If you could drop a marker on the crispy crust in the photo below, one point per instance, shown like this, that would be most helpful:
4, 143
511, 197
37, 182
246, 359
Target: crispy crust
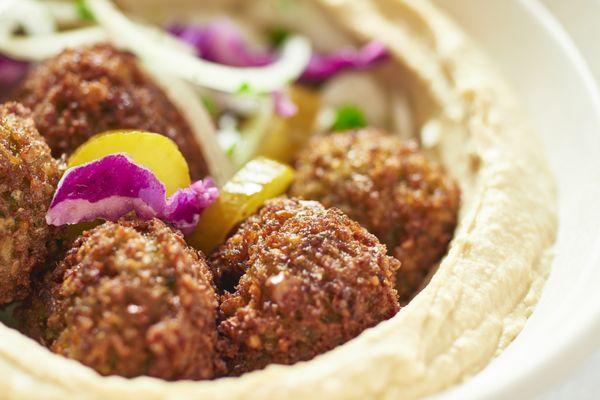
28, 177
311, 280
85, 91
129, 299
389, 187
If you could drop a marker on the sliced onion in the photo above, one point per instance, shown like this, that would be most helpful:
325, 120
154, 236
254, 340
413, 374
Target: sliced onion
254, 132
115, 185
38, 21
223, 42
38, 48
290, 65
63, 12
188, 103
322, 67
157, 35
32, 16
184, 208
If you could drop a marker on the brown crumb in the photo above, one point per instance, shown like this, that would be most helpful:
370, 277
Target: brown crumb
303, 280
389, 187
89, 90
28, 178
130, 299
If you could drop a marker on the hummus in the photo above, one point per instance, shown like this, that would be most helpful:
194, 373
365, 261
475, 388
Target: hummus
485, 288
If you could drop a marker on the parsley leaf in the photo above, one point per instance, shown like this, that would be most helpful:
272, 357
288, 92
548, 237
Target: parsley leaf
348, 117
231, 149
210, 105
84, 12
278, 36
244, 88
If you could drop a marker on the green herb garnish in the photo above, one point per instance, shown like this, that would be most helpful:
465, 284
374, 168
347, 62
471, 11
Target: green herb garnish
231, 150
210, 105
278, 36
348, 117
244, 88
84, 12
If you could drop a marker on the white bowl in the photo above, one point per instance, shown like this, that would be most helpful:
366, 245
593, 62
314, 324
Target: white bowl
532, 50
580, 18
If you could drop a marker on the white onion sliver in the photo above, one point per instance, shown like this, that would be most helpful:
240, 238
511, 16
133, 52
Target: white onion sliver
43, 42
63, 12
37, 48
254, 132
31, 15
190, 107
161, 37
292, 62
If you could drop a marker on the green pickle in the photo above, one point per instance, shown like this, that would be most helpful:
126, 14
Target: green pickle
288, 135
258, 181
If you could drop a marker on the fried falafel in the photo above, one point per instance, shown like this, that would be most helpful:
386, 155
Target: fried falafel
309, 279
28, 178
130, 299
389, 187
89, 90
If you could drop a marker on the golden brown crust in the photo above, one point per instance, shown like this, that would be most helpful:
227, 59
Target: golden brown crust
312, 280
89, 90
28, 177
390, 188
129, 299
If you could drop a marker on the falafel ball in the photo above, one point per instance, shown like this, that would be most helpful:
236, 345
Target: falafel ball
389, 187
130, 299
89, 90
28, 178
311, 279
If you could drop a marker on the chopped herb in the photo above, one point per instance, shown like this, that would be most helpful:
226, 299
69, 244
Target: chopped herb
210, 105
84, 12
231, 149
348, 117
278, 36
244, 88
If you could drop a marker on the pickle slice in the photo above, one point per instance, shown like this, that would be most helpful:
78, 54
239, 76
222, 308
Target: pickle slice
288, 135
258, 181
156, 152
